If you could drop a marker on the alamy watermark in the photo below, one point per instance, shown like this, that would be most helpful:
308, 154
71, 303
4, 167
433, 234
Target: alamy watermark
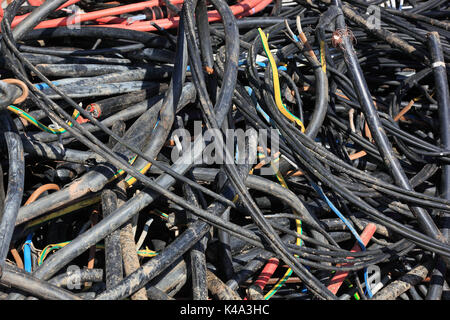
207, 147
374, 20
74, 19
74, 277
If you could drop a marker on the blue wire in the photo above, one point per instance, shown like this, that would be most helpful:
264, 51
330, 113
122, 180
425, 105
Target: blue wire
366, 280
262, 64
27, 253
43, 86
258, 107
318, 189
349, 226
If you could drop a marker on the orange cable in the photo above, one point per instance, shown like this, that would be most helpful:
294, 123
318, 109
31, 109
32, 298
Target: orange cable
17, 258
404, 111
41, 190
357, 155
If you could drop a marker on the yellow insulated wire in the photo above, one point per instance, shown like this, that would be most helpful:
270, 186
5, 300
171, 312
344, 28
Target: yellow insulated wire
298, 242
276, 83
146, 253
50, 248
24, 115
284, 184
71, 208
132, 180
278, 285
21, 113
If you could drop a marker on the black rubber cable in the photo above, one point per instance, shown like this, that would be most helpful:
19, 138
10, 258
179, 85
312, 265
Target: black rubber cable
16, 179
425, 221
443, 97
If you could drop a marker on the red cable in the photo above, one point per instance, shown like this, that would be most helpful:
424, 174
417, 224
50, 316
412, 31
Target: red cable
111, 20
107, 19
19, 19
35, 3
266, 273
340, 276
59, 22
242, 9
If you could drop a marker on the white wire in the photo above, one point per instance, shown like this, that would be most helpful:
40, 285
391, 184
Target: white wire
144, 234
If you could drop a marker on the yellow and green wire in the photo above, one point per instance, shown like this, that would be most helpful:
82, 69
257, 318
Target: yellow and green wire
66, 210
78, 205
276, 83
279, 284
298, 223
163, 215
146, 253
350, 285
50, 248
23, 114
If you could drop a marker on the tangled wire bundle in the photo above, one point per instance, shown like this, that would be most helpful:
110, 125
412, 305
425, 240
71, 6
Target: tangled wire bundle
228, 150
